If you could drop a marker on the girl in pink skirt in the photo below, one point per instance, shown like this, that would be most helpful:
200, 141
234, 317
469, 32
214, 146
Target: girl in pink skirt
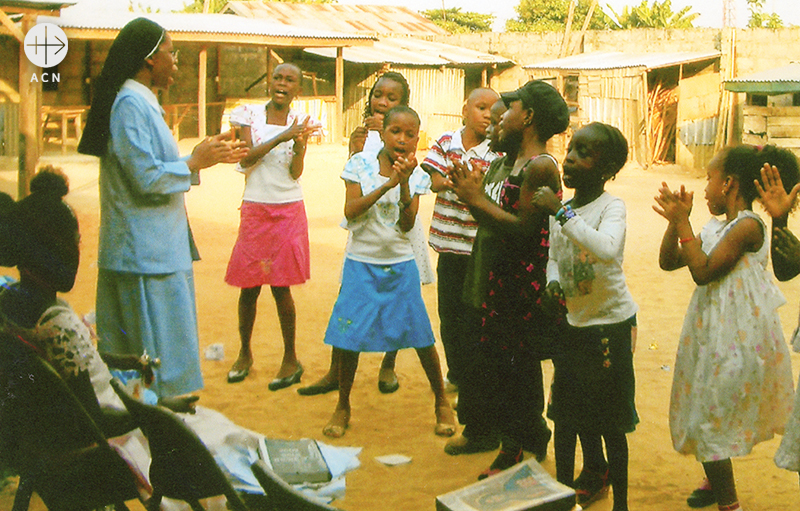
272, 247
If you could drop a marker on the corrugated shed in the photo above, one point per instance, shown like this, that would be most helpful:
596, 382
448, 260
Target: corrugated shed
779, 80
412, 52
196, 23
618, 60
363, 19
34, 4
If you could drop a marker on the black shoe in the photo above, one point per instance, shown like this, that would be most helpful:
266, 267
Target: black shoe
503, 461
237, 375
318, 388
538, 445
590, 486
282, 383
387, 387
701, 497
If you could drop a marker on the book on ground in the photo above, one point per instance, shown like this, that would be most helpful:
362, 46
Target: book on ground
296, 461
524, 487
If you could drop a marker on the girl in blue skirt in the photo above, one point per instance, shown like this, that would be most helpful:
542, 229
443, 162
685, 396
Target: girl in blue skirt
380, 307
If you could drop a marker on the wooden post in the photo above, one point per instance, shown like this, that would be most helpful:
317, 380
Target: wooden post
648, 124
338, 126
202, 72
29, 123
565, 41
574, 47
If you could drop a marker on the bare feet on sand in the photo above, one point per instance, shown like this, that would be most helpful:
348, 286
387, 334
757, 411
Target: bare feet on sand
321, 386
338, 423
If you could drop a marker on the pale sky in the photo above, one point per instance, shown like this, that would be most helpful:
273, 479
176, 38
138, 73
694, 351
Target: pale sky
710, 10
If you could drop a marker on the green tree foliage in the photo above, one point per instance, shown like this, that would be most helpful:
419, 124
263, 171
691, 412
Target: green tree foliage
760, 19
455, 21
218, 5
551, 15
197, 6
655, 15
135, 6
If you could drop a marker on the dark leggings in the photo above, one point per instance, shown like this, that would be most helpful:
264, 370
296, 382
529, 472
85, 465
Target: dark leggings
594, 460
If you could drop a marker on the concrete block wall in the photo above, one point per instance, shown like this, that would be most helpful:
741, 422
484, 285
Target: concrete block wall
755, 48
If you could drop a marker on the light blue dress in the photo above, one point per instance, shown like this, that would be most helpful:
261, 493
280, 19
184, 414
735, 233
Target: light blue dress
145, 288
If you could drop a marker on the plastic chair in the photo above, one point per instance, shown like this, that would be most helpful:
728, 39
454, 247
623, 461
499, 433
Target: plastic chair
280, 494
48, 437
182, 467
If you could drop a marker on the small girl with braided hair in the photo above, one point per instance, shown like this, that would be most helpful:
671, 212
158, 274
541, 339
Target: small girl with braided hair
732, 386
593, 382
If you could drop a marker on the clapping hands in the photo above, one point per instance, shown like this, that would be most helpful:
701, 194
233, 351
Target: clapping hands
772, 194
466, 181
546, 199
402, 168
673, 205
222, 148
786, 244
299, 132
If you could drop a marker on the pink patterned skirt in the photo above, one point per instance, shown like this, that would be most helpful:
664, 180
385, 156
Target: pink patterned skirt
272, 247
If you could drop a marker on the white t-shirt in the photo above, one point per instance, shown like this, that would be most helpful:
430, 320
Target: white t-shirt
586, 258
373, 142
375, 236
269, 180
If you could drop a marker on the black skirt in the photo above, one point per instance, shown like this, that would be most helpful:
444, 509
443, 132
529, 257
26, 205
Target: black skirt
594, 386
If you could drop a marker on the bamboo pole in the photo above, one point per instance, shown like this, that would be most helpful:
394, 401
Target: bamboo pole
574, 47
30, 92
570, 16
202, 75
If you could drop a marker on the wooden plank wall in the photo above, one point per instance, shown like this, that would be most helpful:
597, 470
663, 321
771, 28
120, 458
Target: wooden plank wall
779, 126
698, 101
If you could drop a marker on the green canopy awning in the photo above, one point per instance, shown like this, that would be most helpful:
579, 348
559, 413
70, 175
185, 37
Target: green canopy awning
780, 80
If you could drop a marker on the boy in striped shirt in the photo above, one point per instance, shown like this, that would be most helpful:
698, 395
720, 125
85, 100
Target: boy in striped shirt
452, 226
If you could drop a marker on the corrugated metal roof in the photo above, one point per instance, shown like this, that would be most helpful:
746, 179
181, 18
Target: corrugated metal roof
616, 60
362, 19
195, 23
35, 4
412, 52
779, 80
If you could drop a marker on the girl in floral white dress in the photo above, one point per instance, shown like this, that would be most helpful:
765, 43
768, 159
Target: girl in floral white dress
732, 386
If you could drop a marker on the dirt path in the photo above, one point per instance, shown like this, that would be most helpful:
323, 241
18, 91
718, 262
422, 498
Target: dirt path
660, 479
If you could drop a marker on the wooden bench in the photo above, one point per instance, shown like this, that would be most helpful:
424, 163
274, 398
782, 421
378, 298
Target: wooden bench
56, 123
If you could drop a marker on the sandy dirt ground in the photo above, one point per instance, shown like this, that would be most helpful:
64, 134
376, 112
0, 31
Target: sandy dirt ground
403, 422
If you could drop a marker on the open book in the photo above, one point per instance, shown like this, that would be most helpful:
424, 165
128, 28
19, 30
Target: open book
524, 487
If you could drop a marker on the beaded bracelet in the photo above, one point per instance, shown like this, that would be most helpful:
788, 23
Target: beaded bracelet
564, 214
